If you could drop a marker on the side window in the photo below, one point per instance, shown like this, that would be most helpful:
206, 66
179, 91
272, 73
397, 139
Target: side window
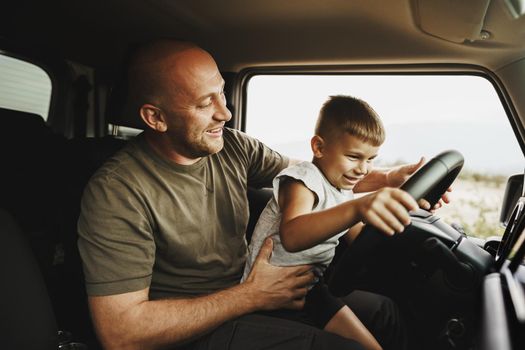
123, 132
24, 86
423, 115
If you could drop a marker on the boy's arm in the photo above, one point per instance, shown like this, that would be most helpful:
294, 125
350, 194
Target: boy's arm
393, 177
353, 232
296, 202
301, 228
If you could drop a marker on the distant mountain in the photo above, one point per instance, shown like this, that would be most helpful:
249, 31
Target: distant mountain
487, 148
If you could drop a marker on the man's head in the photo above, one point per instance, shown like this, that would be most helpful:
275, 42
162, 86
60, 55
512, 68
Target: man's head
347, 137
177, 90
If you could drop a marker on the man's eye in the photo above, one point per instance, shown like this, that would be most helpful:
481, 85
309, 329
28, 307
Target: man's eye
208, 104
353, 158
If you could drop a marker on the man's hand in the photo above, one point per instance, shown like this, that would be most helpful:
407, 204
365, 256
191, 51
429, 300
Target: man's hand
387, 209
277, 287
396, 176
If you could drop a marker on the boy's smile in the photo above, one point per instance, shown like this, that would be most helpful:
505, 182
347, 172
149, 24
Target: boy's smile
344, 160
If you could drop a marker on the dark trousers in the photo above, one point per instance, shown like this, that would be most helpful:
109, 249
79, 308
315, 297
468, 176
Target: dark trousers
290, 330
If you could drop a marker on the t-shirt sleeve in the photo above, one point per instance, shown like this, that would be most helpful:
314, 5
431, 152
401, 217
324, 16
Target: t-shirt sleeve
115, 238
263, 163
304, 172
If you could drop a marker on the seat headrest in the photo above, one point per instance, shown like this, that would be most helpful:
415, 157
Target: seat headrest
21, 121
118, 112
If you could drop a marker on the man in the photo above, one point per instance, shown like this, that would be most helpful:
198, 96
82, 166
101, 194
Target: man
161, 231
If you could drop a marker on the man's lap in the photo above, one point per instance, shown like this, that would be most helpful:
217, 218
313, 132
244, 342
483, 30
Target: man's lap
286, 329
256, 331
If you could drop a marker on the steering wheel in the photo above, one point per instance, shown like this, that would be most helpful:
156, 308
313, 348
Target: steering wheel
429, 182
435, 177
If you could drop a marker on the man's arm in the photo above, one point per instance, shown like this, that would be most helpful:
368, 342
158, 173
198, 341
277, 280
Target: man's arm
131, 321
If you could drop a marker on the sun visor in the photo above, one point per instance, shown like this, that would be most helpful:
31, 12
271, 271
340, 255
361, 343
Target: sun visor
451, 20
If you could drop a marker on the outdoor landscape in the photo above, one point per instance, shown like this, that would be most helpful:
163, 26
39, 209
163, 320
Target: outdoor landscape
476, 204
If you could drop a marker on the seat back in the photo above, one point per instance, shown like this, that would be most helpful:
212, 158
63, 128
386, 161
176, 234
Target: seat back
32, 162
27, 320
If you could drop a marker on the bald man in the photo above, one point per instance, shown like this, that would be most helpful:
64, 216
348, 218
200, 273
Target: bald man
162, 224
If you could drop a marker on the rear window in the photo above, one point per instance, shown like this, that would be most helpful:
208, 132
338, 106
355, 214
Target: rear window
24, 86
423, 116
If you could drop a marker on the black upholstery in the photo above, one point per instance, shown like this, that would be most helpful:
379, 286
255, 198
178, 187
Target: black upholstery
31, 190
41, 184
32, 161
118, 111
257, 200
27, 320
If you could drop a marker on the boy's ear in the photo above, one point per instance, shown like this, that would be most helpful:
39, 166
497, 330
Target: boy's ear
317, 144
153, 117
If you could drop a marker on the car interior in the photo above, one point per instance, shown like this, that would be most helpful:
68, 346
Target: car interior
459, 292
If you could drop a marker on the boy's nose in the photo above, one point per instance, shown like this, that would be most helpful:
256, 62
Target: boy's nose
362, 168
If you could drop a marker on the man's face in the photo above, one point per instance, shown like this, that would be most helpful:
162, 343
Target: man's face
346, 160
194, 105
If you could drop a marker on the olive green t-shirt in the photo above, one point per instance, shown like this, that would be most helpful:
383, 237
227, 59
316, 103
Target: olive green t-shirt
179, 229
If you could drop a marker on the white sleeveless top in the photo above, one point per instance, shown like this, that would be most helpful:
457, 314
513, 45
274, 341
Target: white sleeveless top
268, 225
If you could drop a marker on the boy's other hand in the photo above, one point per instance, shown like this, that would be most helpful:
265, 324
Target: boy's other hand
445, 199
398, 175
387, 209
277, 287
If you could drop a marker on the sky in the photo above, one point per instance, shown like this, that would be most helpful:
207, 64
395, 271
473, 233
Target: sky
423, 115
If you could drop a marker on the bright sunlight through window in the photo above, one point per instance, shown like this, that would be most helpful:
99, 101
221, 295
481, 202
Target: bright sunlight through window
423, 115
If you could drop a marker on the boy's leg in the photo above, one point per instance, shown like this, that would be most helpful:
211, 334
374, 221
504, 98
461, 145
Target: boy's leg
346, 324
333, 315
320, 305
255, 332
381, 316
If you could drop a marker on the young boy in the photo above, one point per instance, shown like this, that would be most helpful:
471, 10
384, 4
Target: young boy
313, 206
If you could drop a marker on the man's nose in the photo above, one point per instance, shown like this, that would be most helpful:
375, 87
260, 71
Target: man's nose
222, 113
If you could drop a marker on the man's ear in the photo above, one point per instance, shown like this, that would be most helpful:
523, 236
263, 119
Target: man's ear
317, 144
153, 117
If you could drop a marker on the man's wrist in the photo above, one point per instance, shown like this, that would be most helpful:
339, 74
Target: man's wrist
248, 297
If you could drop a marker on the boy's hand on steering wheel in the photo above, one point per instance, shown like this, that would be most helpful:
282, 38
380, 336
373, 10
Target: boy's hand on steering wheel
445, 199
387, 209
396, 176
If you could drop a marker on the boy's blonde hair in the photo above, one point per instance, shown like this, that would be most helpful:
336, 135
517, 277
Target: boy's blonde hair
352, 115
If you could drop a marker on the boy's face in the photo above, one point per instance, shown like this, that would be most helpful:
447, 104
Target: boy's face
344, 160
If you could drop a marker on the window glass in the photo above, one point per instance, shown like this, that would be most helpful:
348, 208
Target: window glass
423, 116
24, 86
123, 131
